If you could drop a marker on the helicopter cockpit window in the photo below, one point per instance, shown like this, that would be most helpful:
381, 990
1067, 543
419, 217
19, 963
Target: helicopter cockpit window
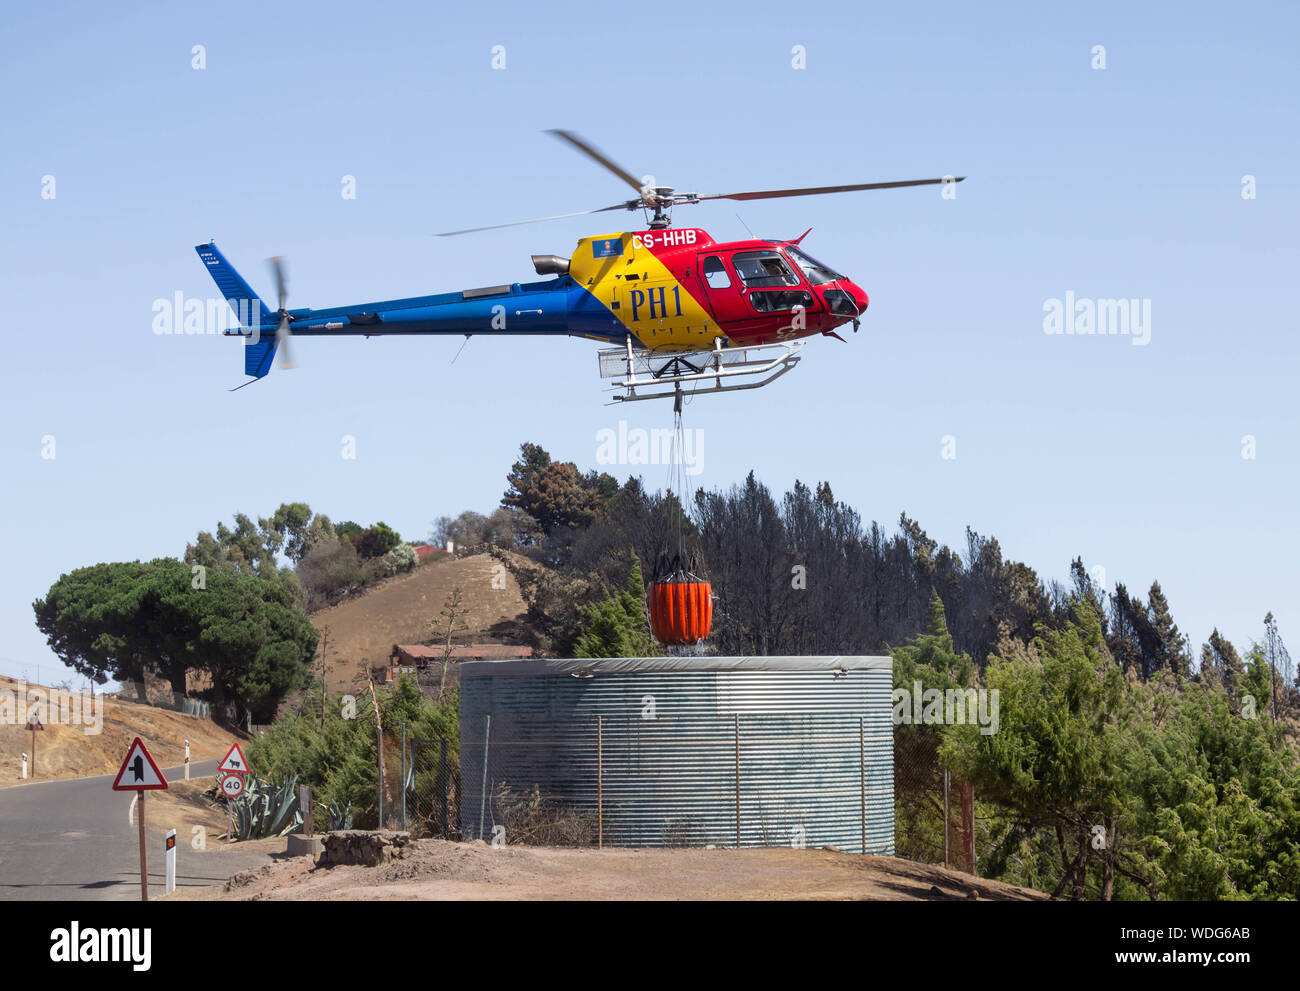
816, 272
715, 273
763, 269
781, 300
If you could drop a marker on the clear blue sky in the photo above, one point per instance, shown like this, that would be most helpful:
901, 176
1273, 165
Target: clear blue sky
1122, 182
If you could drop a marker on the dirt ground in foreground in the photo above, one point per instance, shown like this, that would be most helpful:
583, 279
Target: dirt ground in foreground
69, 751
437, 869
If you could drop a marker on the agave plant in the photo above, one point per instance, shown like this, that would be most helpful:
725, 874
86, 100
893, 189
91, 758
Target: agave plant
265, 809
340, 815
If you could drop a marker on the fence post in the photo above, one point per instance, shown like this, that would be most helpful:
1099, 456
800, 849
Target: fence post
600, 781
968, 827
403, 786
482, 794
379, 753
947, 829
443, 775
862, 784
737, 780
304, 803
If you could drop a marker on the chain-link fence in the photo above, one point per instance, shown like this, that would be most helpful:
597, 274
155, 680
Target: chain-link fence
740, 780
419, 788
431, 791
934, 814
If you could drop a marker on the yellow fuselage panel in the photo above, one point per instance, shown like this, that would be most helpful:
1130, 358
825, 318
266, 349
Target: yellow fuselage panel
643, 293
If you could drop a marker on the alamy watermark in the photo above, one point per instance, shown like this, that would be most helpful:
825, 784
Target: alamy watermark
204, 315
659, 446
1098, 317
52, 706
922, 706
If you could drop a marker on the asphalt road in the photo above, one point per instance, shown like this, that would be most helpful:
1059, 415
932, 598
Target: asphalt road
70, 840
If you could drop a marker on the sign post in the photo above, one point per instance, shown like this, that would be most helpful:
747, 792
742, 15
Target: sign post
139, 774
170, 884
34, 724
234, 766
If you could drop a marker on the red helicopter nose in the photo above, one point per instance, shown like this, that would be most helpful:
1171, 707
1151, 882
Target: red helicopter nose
859, 295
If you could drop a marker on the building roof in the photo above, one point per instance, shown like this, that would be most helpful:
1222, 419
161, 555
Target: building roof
463, 652
834, 665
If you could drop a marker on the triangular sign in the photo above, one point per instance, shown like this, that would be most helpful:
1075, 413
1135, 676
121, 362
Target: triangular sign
139, 772
233, 762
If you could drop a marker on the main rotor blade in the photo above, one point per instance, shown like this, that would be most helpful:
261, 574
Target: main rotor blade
597, 156
629, 205
816, 190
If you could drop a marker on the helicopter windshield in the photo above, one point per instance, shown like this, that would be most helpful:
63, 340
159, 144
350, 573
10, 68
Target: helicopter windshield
815, 272
763, 269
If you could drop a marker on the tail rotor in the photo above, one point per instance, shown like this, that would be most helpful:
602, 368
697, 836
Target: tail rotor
282, 332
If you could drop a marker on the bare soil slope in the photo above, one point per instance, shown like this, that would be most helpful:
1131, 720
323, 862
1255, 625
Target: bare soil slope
437, 869
360, 632
64, 751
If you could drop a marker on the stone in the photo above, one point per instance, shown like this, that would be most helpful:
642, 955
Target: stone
363, 847
303, 846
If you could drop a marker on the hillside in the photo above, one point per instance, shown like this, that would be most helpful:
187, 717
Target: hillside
70, 751
359, 634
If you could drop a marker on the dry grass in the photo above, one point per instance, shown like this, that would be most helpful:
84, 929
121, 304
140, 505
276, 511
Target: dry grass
360, 632
66, 751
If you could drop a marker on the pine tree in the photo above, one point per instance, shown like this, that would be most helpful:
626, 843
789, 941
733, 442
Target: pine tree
1171, 646
1280, 666
937, 626
1223, 660
617, 627
1085, 591
931, 658
1123, 641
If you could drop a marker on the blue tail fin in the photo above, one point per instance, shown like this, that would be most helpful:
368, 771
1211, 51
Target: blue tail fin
252, 313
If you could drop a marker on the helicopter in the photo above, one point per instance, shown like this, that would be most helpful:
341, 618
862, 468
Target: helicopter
675, 308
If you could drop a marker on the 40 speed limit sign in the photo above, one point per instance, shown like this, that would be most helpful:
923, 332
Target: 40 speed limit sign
232, 785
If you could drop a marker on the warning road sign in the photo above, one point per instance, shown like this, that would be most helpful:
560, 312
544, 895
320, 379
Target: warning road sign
233, 762
138, 771
232, 785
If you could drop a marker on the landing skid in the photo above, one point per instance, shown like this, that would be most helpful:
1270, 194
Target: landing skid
641, 374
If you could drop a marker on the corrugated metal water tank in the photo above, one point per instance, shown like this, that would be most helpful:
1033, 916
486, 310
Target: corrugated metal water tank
685, 751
